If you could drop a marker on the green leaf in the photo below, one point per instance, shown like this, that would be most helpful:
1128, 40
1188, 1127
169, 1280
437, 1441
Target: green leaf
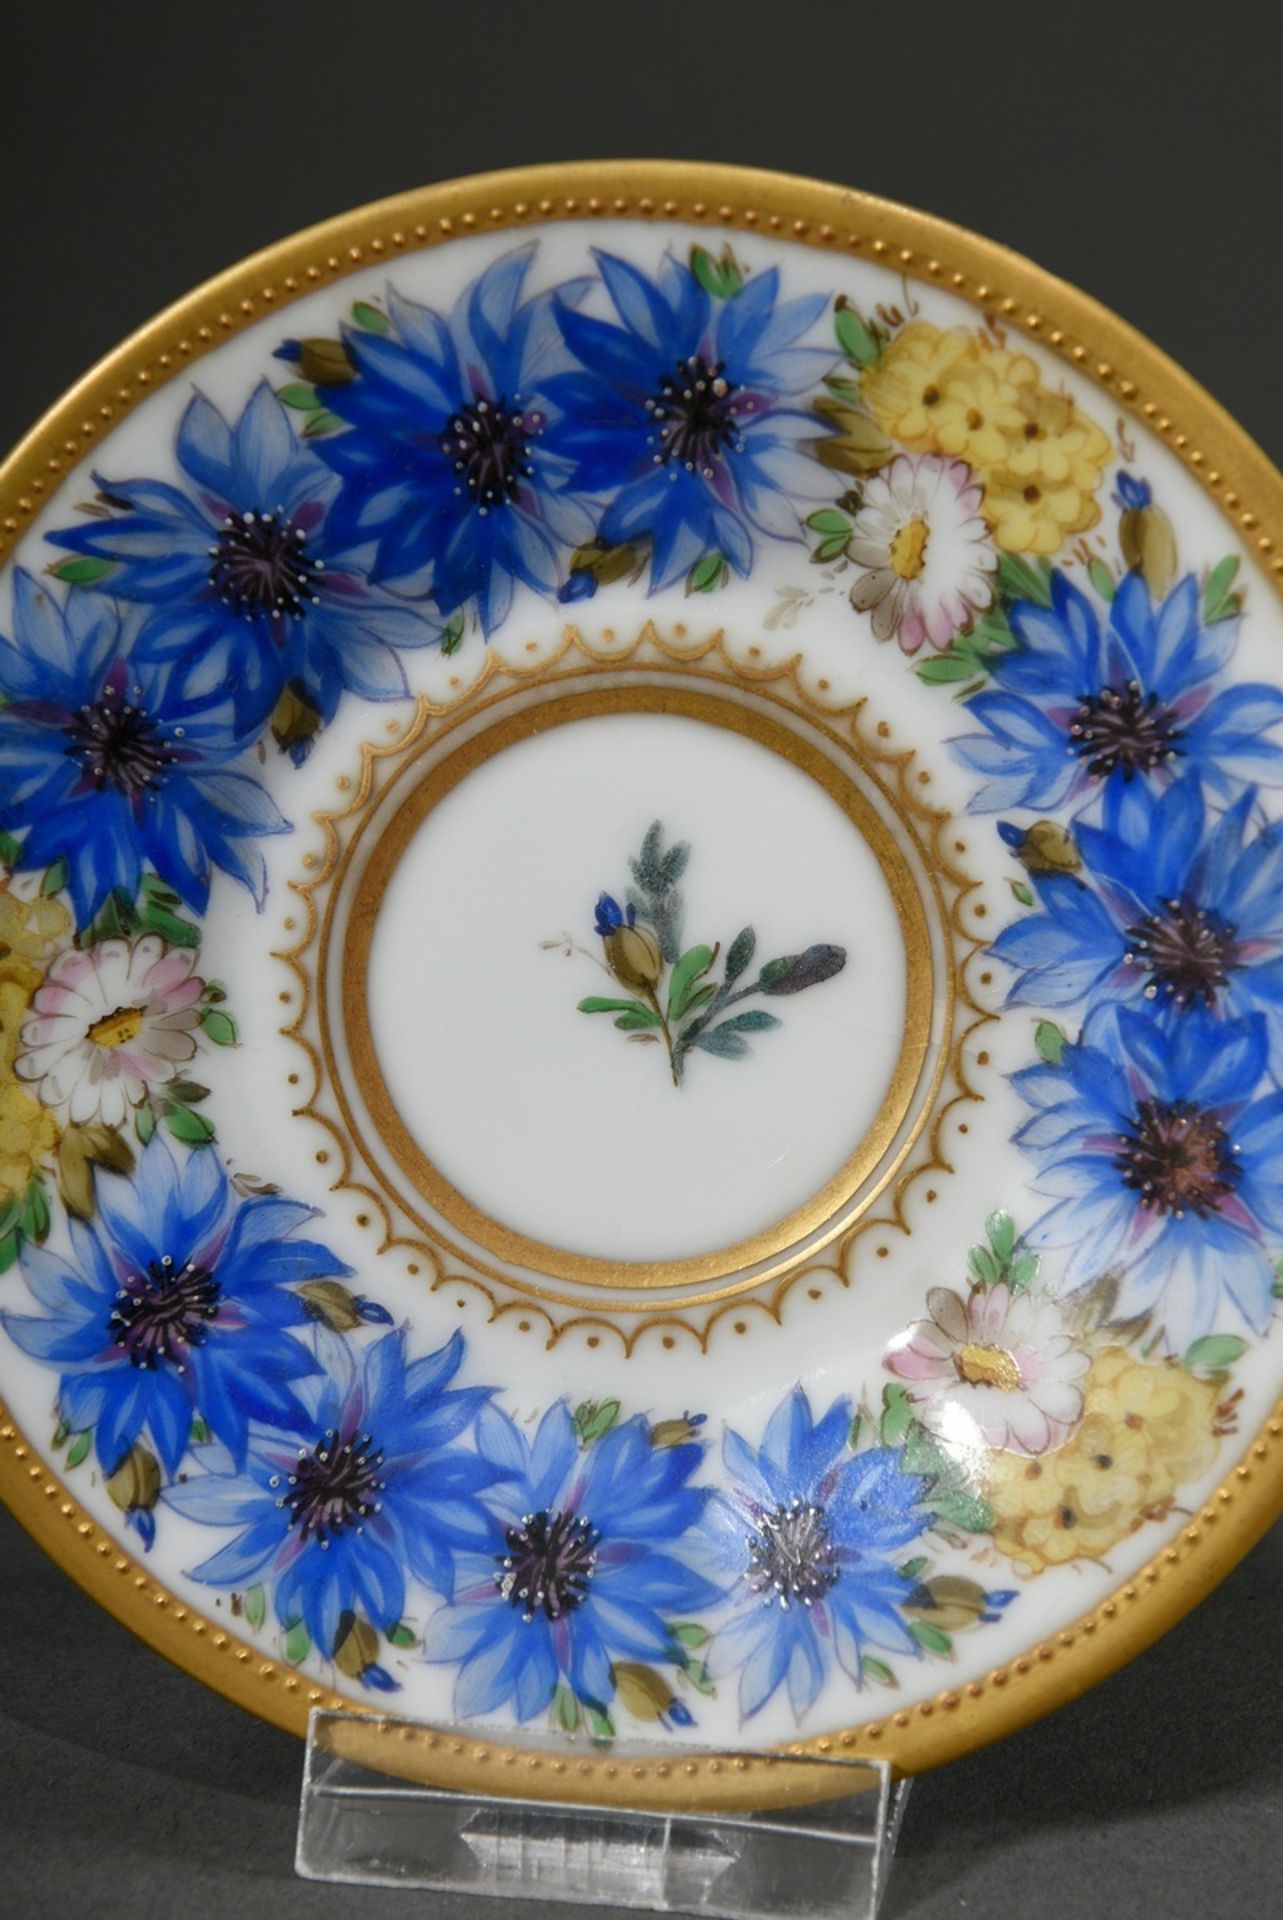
982, 1267
721, 279
930, 1638
299, 394
82, 572
1219, 603
754, 1021
565, 1708
596, 1003
297, 1643
79, 1448
725, 1046
402, 1636
199, 1434
144, 1123
965, 1511
1101, 578
877, 1670
370, 318
1023, 1272
708, 574
637, 1022
600, 1725
857, 341
690, 1634
9, 850
192, 1128
739, 953
452, 634
700, 1677
255, 1607
157, 905
33, 1219
56, 878
1023, 892
794, 972
10, 1246
829, 521
319, 422
913, 1569
857, 1428
830, 548
1022, 579
1214, 1353
1050, 1042
60, 1433
942, 669
897, 1415
693, 963
219, 1027
1000, 1231
592, 1419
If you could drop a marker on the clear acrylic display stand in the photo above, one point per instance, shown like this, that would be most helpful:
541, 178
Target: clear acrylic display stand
826, 1856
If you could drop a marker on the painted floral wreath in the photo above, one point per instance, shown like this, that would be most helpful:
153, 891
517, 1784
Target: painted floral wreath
215, 1359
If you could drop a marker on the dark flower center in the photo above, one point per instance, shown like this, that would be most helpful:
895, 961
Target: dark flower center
1178, 1158
791, 1556
334, 1485
1124, 727
549, 1565
1188, 952
488, 445
260, 565
160, 1314
118, 745
695, 415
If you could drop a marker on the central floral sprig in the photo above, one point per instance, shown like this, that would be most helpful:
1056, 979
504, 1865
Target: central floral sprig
676, 1001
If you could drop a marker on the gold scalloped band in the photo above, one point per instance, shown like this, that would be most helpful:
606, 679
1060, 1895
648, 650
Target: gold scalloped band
1237, 477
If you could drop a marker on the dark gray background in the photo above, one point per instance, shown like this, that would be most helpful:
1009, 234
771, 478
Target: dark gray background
143, 148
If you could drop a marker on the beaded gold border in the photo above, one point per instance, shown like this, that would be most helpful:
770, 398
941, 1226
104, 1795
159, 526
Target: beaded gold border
1235, 474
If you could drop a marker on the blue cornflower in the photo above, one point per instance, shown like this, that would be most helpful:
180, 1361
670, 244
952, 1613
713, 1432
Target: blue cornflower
1133, 493
110, 760
810, 1533
175, 1303
449, 476
1079, 705
691, 415
610, 916
1164, 1159
586, 1564
242, 570
1178, 907
374, 1486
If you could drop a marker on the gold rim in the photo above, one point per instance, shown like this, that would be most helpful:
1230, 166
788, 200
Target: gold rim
1141, 381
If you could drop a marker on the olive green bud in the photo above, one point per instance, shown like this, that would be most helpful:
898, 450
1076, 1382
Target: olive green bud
1046, 847
1148, 546
325, 362
332, 1304
358, 1648
673, 1433
135, 1485
645, 1694
948, 1601
633, 956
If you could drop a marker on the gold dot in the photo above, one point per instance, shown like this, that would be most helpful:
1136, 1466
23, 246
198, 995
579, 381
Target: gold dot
321, 1156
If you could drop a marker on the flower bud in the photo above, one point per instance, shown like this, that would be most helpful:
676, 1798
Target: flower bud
332, 1304
633, 956
645, 1694
1045, 847
358, 1647
1146, 537
948, 1601
325, 362
676, 1433
135, 1485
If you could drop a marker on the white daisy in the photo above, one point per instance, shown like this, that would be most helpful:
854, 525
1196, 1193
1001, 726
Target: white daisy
999, 1369
107, 1024
927, 549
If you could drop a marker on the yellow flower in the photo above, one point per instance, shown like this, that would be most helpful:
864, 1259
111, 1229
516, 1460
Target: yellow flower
1044, 490
29, 931
982, 410
906, 386
1147, 1429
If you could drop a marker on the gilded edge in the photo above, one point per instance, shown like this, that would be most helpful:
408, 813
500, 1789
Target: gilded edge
932, 830
1236, 475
